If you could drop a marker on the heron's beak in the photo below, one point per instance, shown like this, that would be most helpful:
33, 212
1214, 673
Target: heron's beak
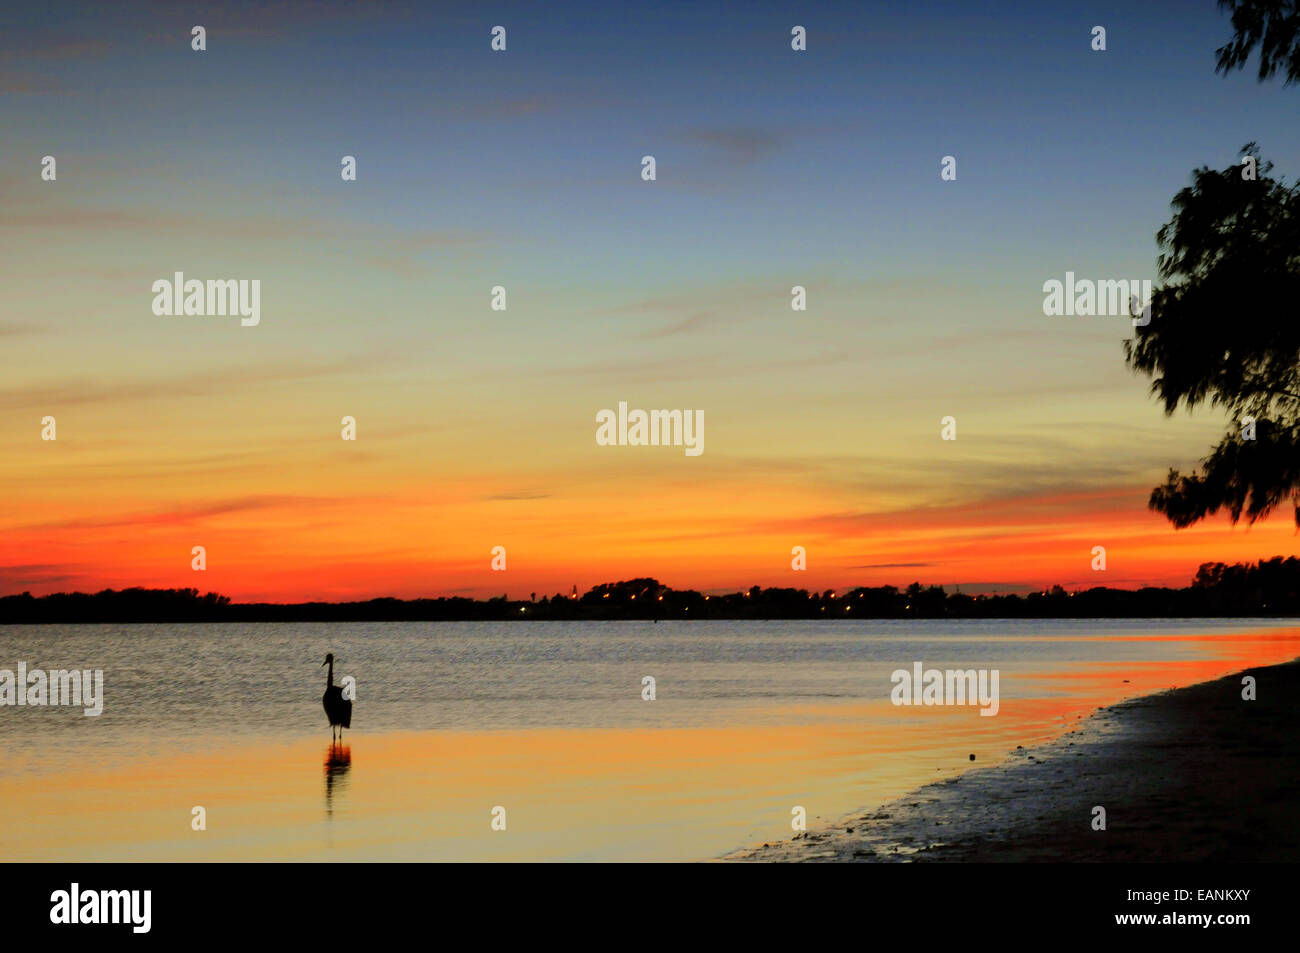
324, 663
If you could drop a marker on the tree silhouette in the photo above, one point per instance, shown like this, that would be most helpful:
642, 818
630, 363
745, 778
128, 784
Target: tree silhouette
1223, 332
1269, 587
1273, 26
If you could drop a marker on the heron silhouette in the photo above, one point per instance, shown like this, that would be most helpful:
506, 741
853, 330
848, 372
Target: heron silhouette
337, 708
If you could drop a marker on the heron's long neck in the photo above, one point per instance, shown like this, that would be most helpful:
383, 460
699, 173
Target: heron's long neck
331, 675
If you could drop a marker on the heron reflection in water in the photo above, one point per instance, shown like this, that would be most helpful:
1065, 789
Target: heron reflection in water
338, 761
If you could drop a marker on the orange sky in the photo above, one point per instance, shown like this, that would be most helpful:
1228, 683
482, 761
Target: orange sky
437, 538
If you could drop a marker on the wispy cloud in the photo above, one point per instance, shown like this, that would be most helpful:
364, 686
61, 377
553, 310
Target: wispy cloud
183, 515
22, 576
690, 323
737, 144
51, 46
80, 391
892, 565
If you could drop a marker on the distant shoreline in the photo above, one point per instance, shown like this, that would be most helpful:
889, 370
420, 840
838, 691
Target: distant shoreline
347, 620
1266, 589
1194, 774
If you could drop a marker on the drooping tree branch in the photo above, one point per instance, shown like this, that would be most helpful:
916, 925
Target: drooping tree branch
1224, 332
1271, 25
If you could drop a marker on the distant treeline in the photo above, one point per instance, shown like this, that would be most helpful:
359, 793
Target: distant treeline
1270, 587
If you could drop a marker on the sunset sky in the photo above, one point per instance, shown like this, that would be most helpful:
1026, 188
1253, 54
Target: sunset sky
476, 428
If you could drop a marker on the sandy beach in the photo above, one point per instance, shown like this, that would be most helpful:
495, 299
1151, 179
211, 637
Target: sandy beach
1195, 774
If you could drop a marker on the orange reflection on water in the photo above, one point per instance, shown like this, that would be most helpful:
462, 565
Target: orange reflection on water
620, 794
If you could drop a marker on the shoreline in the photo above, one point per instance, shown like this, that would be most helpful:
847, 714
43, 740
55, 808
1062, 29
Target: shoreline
1193, 774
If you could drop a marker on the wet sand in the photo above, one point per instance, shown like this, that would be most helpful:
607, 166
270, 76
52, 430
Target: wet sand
1195, 774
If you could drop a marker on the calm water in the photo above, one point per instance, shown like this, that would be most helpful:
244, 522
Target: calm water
544, 719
